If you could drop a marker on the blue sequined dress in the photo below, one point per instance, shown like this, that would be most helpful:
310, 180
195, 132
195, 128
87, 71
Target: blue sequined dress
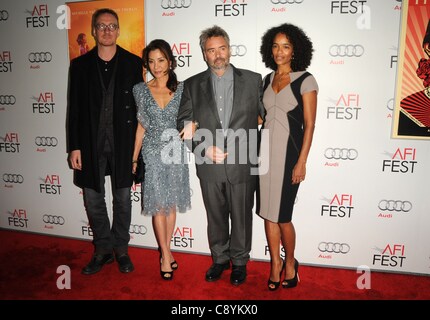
166, 183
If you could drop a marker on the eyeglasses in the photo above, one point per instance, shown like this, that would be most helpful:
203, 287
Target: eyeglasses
103, 27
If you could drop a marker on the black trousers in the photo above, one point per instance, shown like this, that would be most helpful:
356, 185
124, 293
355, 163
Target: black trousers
109, 236
225, 202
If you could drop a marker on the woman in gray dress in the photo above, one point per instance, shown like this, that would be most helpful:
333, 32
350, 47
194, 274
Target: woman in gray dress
290, 100
166, 187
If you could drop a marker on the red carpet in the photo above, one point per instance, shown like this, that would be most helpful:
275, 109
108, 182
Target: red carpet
29, 262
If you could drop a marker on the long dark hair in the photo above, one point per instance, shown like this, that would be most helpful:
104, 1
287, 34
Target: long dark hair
164, 47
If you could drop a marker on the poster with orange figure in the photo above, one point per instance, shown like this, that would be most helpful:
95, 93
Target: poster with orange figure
131, 22
411, 118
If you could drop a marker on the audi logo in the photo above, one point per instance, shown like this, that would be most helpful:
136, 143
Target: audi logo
341, 153
334, 247
137, 229
175, 4
395, 205
7, 99
13, 178
46, 141
39, 57
4, 15
390, 104
47, 218
285, 1
346, 50
238, 50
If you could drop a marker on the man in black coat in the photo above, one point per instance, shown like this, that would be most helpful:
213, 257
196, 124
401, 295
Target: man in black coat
101, 131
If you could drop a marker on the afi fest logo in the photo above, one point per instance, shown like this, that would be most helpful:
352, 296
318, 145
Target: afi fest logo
5, 61
183, 237
18, 218
230, 8
348, 7
182, 53
44, 103
10, 143
51, 184
340, 206
347, 107
402, 161
136, 192
391, 256
39, 17
86, 229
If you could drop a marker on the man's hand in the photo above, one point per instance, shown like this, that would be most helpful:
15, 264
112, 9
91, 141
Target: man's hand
188, 132
216, 154
75, 159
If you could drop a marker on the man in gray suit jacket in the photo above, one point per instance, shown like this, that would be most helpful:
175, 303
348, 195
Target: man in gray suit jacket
224, 104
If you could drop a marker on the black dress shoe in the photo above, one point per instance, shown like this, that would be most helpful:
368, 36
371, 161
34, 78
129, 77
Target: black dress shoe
216, 270
97, 262
238, 275
124, 263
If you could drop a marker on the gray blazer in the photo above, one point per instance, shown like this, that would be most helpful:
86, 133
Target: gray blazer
240, 141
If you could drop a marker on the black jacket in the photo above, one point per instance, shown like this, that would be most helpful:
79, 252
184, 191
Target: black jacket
84, 103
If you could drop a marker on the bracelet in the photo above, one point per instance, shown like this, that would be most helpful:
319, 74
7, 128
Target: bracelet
134, 161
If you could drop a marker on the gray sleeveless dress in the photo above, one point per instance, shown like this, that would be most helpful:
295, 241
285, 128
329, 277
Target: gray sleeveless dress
166, 183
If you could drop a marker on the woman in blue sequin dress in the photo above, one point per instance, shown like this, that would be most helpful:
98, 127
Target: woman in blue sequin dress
166, 188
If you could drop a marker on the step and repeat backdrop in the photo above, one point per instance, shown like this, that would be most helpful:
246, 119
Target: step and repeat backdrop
365, 201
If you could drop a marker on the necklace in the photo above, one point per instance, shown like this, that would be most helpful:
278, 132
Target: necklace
283, 73
280, 80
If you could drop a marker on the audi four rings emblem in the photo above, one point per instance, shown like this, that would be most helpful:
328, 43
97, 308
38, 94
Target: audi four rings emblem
395, 205
390, 104
7, 99
4, 15
341, 153
13, 178
175, 4
46, 141
333, 247
285, 1
47, 218
39, 57
238, 50
346, 50
138, 229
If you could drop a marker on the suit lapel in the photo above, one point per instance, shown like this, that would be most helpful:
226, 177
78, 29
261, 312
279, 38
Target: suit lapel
237, 95
207, 90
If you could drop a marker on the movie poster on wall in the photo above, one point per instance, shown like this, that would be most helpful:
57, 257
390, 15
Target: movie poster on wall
412, 102
131, 21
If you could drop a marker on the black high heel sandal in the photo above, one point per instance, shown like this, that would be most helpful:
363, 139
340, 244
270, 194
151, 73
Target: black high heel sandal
273, 285
166, 275
174, 265
291, 283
